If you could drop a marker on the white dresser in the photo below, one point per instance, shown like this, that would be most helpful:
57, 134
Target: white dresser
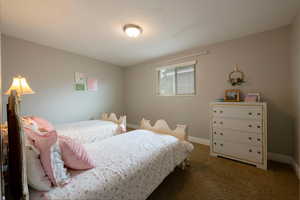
239, 132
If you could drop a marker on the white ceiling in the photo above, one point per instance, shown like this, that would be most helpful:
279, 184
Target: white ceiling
94, 27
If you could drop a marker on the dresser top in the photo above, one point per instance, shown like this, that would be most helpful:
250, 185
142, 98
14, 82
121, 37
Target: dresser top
238, 103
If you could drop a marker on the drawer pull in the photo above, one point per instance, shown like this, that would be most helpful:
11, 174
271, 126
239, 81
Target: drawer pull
215, 122
221, 122
221, 145
221, 133
250, 113
258, 126
258, 152
249, 125
258, 114
250, 150
258, 139
215, 111
215, 143
221, 111
250, 138
215, 132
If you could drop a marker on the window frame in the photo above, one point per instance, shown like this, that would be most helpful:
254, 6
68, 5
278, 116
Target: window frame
175, 67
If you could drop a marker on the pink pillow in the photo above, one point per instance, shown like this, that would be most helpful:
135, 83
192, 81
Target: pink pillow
50, 156
74, 154
43, 124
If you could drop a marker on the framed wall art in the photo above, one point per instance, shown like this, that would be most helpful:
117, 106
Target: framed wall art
232, 95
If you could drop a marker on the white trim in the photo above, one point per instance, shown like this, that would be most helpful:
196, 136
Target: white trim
175, 82
280, 158
193, 62
199, 140
296, 168
135, 126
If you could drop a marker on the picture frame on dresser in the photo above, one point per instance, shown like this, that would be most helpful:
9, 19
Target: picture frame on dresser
253, 97
238, 130
232, 95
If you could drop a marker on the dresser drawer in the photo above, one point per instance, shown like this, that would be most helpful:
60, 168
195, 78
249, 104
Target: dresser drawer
238, 124
253, 139
241, 112
239, 151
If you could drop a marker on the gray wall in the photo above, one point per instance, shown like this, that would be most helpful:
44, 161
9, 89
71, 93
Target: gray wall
295, 55
50, 73
263, 57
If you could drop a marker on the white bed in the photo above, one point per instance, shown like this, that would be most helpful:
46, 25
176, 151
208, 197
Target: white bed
93, 130
129, 167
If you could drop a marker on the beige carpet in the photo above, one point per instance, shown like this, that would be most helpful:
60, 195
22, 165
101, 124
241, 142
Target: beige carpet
211, 178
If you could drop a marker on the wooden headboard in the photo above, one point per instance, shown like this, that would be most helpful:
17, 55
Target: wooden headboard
161, 126
17, 178
113, 117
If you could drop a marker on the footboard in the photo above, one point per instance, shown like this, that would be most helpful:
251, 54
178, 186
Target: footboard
162, 127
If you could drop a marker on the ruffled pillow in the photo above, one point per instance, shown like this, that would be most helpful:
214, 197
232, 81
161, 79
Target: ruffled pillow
27, 122
50, 156
36, 177
74, 154
44, 125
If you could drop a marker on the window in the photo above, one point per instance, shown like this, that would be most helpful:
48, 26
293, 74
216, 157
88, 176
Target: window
176, 80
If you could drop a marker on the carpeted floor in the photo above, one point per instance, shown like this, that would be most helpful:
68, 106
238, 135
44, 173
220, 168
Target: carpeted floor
211, 178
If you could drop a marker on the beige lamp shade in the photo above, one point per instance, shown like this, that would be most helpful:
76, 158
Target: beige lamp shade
20, 85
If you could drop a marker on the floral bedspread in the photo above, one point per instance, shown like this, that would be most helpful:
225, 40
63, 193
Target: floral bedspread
129, 167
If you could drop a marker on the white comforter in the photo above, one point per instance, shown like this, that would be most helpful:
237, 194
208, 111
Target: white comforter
129, 167
88, 131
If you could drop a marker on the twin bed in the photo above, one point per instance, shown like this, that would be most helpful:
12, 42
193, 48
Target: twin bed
129, 166
93, 130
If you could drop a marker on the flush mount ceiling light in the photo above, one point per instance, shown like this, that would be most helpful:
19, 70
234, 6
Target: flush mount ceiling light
132, 30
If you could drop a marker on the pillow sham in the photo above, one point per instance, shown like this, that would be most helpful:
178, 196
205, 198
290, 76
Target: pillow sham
74, 155
36, 177
27, 122
44, 125
50, 156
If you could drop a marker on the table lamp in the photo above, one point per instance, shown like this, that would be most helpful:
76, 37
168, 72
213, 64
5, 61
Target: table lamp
20, 85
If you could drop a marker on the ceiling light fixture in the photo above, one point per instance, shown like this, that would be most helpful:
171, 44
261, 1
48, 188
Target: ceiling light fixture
132, 30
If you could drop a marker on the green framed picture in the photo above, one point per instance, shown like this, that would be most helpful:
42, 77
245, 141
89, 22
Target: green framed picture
80, 87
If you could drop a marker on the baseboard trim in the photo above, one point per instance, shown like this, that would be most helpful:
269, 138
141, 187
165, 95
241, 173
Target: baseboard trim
280, 158
285, 159
199, 140
296, 169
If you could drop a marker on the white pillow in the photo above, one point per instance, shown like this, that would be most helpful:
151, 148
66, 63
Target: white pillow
36, 177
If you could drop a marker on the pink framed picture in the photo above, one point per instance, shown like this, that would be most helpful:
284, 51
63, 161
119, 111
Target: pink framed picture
92, 84
252, 97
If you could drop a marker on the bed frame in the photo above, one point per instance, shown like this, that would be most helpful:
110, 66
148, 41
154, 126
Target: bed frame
162, 127
16, 138
17, 178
